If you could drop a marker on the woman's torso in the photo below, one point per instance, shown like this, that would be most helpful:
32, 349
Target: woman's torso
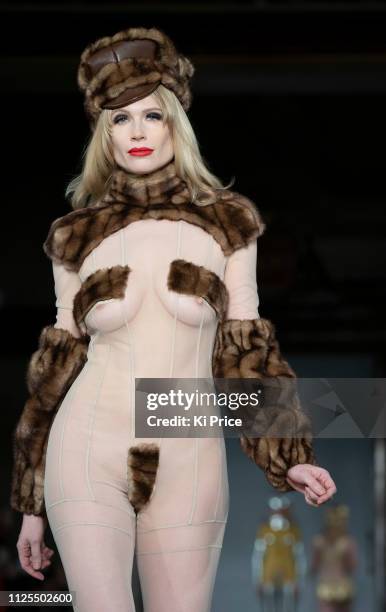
171, 333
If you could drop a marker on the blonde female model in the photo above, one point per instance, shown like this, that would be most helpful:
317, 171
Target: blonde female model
155, 277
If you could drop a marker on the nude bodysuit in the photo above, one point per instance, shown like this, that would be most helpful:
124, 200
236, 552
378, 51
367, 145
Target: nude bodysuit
151, 332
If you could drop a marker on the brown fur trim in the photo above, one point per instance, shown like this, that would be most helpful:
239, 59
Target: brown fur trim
188, 278
54, 363
274, 454
142, 466
249, 349
51, 371
233, 221
159, 187
104, 284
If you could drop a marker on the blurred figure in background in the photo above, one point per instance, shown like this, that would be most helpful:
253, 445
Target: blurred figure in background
278, 559
334, 561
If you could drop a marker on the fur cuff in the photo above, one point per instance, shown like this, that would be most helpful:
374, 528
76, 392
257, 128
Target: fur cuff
51, 371
249, 349
276, 455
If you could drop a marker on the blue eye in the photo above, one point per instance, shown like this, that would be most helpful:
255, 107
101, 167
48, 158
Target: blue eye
156, 115
153, 115
118, 117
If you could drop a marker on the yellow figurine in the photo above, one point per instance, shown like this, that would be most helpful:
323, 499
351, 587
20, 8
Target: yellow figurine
278, 559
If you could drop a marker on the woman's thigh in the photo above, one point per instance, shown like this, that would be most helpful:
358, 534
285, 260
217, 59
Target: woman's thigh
96, 543
180, 530
178, 581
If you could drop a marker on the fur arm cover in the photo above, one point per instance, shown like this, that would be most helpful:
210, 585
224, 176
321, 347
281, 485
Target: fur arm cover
246, 347
51, 370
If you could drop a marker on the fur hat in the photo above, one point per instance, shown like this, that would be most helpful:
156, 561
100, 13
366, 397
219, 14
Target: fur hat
117, 70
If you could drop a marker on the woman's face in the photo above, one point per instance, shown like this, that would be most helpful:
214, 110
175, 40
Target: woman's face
140, 125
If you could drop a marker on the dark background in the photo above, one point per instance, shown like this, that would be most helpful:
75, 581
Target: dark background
288, 97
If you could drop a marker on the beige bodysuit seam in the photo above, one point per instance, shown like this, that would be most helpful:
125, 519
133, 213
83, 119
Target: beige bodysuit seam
65, 419
197, 440
124, 262
92, 501
108, 484
86, 524
208, 257
176, 550
178, 254
220, 478
91, 424
174, 525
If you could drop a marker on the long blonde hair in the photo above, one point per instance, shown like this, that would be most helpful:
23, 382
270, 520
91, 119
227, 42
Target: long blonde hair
98, 161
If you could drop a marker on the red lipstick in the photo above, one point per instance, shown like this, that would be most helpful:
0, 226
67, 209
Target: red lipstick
140, 151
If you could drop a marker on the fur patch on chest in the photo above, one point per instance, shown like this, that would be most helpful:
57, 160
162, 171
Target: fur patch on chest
104, 284
187, 278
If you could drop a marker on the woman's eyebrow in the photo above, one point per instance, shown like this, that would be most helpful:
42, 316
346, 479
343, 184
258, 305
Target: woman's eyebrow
145, 110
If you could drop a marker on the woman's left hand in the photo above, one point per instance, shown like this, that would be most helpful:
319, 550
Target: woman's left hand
314, 481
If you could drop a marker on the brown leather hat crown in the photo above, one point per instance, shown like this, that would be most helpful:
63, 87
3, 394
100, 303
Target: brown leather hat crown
117, 70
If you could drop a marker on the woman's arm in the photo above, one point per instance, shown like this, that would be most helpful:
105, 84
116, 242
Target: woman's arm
246, 347
52, 368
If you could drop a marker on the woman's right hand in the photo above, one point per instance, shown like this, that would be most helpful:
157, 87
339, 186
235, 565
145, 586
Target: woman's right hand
34, 555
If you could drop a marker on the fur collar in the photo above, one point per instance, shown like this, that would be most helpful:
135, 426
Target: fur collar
158, 187
232, 219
